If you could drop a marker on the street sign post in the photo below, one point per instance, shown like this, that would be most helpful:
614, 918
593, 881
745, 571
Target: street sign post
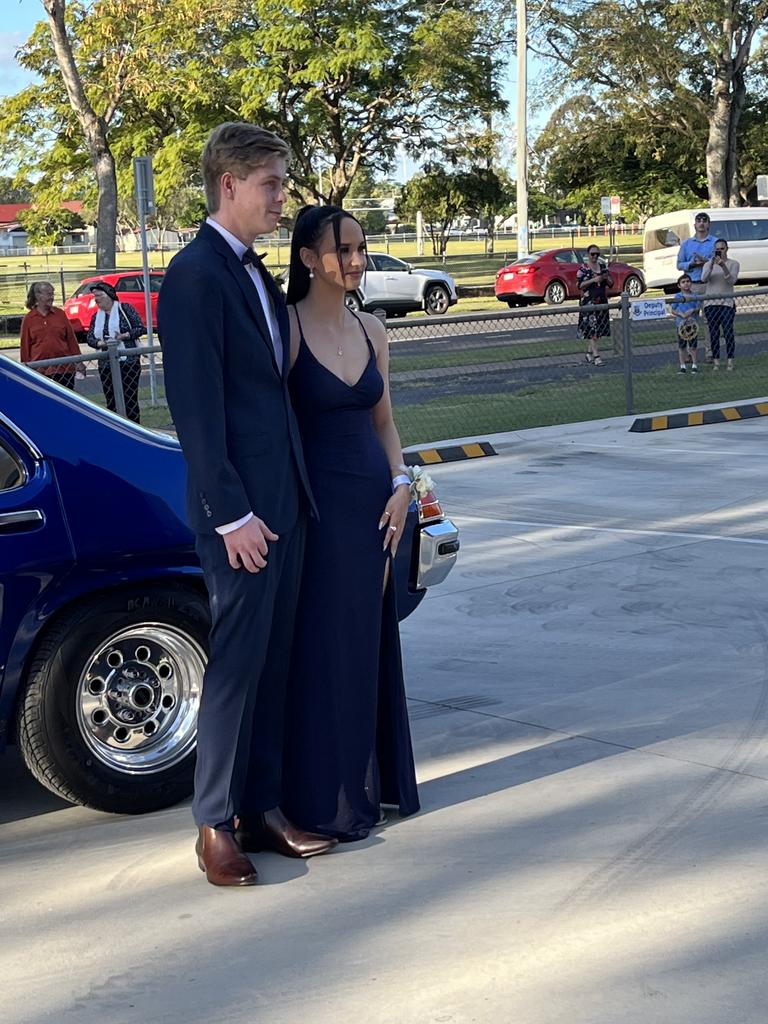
145, 203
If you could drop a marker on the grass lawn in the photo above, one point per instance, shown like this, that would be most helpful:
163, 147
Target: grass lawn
571, 401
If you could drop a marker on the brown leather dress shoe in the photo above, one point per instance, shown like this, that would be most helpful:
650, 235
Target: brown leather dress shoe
271, 830
220, 856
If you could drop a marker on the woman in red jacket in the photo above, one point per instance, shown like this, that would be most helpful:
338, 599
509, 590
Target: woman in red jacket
46, 334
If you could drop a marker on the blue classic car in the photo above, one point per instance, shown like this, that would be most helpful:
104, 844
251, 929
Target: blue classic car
103, 610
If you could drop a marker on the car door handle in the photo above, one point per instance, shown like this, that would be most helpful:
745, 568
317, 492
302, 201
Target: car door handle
10, 521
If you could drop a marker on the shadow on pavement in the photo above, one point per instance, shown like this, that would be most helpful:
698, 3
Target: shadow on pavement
21, 796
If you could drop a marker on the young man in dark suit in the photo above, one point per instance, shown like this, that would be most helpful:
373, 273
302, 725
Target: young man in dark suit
225, 336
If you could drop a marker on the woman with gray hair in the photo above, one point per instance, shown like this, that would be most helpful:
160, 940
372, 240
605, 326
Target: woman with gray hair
113, 321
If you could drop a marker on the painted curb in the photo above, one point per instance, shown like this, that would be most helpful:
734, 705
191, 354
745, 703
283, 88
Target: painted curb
700, 417
450, 453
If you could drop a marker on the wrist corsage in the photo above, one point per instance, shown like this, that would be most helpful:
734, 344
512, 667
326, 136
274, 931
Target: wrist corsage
422, 483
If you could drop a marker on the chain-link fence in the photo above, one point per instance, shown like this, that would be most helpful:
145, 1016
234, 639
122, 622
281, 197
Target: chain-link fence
464, 376
127, 381
469, 376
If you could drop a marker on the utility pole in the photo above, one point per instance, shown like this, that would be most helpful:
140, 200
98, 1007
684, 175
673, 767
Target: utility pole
522, 130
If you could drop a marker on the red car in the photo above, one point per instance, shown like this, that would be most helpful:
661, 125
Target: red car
551, 277
129, 285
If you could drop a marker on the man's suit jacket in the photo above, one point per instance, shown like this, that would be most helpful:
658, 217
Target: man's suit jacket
228, 399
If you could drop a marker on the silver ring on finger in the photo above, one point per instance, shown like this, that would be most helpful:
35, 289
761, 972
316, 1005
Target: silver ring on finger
393, 529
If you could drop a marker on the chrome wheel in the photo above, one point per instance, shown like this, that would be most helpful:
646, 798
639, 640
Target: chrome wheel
437, 300
138, 698
352, 302
633, 286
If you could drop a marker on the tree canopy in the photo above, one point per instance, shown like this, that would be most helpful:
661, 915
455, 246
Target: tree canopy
344, 85
689, 66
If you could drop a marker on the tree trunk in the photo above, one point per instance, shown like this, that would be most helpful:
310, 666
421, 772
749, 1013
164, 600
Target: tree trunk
718, 143
735, 197
95, 132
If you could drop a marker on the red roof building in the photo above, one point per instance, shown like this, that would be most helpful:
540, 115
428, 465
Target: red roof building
9, 212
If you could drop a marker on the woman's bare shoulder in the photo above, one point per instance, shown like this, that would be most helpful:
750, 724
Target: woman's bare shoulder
374, 328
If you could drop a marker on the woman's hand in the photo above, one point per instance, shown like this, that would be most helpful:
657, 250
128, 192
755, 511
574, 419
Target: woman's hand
393, 518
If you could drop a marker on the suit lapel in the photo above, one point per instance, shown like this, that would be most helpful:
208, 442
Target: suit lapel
245, 284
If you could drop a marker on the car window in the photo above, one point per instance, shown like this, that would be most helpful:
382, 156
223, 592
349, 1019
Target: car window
155, 281
741, 230
566, 257
11, 472
84, 289
523, 260
664, 238
130, 284
388, 263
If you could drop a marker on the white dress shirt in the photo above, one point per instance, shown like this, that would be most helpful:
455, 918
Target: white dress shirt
239, 248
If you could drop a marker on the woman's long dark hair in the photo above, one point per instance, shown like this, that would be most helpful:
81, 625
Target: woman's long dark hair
311, 222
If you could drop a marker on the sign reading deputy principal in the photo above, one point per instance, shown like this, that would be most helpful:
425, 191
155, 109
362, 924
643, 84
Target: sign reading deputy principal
649, 309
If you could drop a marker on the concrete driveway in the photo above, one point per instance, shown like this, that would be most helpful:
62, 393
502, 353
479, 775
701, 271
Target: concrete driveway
589, 695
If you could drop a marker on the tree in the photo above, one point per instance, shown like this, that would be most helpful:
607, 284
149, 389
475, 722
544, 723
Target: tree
47, 226
442, 195
583, 154
94, 129
679, 63
11, 192
345, 85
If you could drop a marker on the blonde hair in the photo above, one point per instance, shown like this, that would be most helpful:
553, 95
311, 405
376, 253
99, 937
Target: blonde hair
237, 147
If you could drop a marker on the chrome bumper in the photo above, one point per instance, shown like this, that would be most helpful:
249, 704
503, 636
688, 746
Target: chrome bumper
438, 547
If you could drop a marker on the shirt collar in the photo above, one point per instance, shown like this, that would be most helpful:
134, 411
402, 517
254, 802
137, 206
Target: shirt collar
234, 243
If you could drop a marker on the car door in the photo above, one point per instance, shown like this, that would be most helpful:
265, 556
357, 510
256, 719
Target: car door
568, 263
130, 291
399, 284
35, 547
373, 286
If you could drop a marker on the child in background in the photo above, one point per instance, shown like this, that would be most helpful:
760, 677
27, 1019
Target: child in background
685, 307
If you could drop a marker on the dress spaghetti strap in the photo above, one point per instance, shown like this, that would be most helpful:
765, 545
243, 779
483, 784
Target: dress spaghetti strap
371, 349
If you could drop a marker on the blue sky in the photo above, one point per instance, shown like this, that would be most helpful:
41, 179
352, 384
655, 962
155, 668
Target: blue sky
19, 18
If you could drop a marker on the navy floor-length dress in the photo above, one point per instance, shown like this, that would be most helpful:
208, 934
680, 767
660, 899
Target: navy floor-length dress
348, 745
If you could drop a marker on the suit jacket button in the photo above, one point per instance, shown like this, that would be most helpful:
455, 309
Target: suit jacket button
209, 513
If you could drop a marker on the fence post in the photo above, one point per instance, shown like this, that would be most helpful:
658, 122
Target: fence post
63, 286
116, 375
626, 339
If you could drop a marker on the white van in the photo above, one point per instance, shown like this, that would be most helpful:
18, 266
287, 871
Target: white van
745, 228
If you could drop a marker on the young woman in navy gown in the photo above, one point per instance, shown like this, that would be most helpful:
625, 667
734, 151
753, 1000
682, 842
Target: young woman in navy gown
348, 745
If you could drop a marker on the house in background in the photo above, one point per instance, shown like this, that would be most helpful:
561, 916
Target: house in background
13, 237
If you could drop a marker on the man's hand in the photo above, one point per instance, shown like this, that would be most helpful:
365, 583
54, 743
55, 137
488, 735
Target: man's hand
247, 545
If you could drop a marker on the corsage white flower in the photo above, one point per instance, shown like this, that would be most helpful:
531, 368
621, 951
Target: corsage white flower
421, 482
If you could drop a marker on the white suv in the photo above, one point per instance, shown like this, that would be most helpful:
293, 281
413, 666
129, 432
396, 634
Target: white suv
399, 288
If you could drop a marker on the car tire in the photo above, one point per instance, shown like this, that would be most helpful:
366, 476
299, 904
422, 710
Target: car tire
633, 286
437, 300
555, 293
108, 714
352, 301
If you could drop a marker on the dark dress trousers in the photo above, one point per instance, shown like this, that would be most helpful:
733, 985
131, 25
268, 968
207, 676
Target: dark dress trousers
230, 405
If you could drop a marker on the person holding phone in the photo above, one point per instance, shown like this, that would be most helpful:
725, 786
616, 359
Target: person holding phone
719, 275
594, 280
